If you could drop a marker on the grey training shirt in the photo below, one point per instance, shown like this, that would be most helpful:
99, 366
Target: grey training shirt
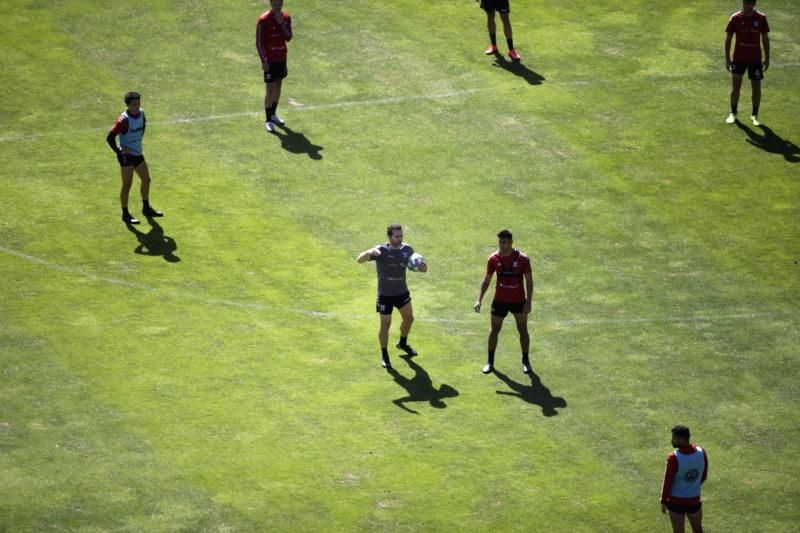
391, 267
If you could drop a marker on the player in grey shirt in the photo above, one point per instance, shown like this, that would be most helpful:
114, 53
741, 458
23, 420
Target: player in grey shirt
391, 260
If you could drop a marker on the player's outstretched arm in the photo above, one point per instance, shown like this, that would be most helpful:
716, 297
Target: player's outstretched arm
366, 254
487, 279
529, 292
111, 139
728, 40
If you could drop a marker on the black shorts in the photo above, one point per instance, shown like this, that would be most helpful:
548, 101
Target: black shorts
386, 304
755, 71
684, 509
130, 160
496, 5
503, 308
277, 71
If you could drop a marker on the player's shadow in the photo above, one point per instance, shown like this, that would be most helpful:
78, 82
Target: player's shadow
154, 242
420, 388
536, 393
518, 69
297, 143
770, 142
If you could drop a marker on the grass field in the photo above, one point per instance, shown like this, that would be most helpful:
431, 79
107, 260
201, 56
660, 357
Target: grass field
220, 370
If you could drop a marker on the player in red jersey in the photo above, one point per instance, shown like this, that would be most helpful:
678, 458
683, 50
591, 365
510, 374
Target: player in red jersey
686, 471
511, 267
130, 127
751, 28
273, 31
502, 7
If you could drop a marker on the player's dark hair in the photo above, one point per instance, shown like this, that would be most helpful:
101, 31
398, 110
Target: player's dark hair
681, 432
505, 234
131, 96
391, 228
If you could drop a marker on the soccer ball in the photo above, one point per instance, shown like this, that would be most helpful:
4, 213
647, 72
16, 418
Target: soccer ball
415, 261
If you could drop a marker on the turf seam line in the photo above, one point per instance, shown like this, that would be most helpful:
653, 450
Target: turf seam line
334, 315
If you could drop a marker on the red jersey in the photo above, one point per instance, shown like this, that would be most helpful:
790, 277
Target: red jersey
748, 32
669, 477
271, 37
510, 270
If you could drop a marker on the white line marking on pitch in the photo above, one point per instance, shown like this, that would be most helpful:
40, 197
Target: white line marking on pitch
334, 315
227, 116
352, 103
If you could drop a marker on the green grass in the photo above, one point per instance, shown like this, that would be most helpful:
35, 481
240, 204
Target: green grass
238, 388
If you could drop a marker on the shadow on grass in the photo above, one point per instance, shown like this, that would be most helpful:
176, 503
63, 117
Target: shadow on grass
420, 388
770, 142
536, 393
297, 143
518, 69
154, 242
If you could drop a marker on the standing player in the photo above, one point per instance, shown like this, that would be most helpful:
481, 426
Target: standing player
391, 259
750, 27
130, 127
687, 470
511, 267
502, 7
273, 31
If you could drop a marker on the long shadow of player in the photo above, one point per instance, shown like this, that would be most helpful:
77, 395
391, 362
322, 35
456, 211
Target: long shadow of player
297, 143
536, 394
154, 242
420, 388
772, 143
518, 69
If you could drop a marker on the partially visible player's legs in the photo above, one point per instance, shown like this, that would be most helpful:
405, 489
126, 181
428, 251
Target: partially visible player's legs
524, 340
678, 521
269, 98
736, 89
144, 175
383, 339
267, 101
756, 87
276, 95
696, 521
490, 25
512, 53
494, 333
127, 182
407, 314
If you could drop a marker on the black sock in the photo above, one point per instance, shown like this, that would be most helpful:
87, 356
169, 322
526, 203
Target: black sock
273, 109
146, 204
510, 43
493, 38
490, 360
125, 211
755, 110
385, 353
266, 112
734, 108
524, 357
403, 341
